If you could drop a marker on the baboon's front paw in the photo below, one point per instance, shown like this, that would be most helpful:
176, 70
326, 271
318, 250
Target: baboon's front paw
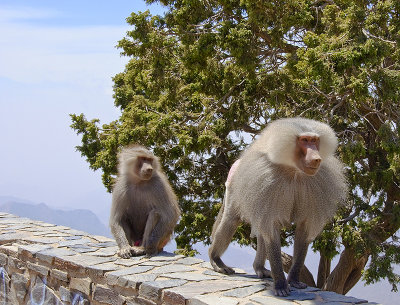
281, 288
297, 284
125, 252
262, 272
138, 251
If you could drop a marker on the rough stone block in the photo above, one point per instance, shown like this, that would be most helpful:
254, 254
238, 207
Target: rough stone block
79, 299
134, 280
152, 290
41, 293
59, 275
142, 301
9, 250
97, 271
79, 262
81, 284
19, 284
16, 263
170, 298
65, 294
38, 268
3, 259
106, 295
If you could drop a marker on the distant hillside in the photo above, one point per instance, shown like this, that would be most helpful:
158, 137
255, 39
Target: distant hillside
80, 219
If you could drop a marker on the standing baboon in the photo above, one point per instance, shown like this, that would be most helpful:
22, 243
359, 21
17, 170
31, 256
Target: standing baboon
144, 207
288, 175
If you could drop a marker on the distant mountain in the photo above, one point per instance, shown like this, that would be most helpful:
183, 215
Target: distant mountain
79, 219
4, 199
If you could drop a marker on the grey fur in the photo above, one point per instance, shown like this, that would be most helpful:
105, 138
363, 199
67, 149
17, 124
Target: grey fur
269, 192
143, 210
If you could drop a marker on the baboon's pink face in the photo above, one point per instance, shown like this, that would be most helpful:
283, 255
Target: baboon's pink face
307, 157
144, 168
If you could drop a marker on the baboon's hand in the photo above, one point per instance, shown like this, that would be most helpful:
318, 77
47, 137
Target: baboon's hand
125, 252
128, 251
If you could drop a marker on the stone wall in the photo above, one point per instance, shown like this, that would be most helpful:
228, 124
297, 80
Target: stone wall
42, 263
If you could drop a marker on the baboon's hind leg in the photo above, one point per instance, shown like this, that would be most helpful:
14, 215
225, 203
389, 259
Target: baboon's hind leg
223, 230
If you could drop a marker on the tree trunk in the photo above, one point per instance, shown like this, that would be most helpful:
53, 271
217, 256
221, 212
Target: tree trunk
305, 274
346, 273
324, 269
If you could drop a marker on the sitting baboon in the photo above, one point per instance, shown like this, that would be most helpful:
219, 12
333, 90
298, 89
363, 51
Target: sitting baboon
289, 175
144, 207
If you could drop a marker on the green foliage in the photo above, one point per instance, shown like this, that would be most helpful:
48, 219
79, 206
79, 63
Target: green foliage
207, 76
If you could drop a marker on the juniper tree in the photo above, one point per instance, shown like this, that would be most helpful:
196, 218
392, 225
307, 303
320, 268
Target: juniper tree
203, 80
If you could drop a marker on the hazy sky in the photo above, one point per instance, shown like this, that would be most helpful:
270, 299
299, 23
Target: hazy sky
57, 58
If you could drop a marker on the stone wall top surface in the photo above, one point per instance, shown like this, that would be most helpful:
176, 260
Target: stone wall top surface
73, 267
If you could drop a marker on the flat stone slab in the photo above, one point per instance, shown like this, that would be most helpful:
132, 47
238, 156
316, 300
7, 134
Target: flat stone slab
334, 297
111, 251
104, 244
112, 277
154, 263
212, 300
128, 262
245, 291
271, 301
82, 248
49, 254
190, 276
33, 248
134, 280
165, 256
42, 240
173, 268
193, 289
189, 261
295, 295
75, 242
